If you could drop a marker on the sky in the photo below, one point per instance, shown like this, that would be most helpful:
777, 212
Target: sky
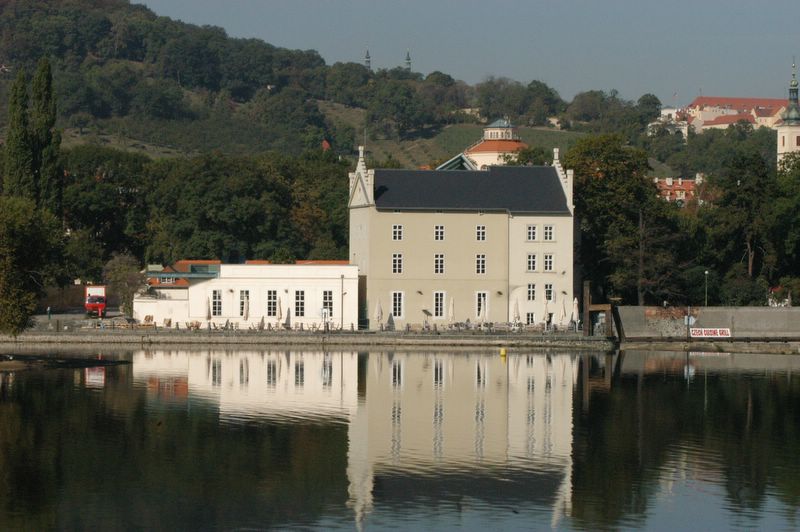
675, 49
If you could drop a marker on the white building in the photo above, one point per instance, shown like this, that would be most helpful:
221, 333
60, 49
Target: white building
444, 246
286, 295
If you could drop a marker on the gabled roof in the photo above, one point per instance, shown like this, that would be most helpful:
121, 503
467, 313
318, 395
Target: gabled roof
515, 189
459, 162
497, 146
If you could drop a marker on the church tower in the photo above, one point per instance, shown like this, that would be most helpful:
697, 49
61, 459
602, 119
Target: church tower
367, 61
408, 60
789, 128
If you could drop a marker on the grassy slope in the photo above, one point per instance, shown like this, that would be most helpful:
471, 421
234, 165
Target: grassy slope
431, 149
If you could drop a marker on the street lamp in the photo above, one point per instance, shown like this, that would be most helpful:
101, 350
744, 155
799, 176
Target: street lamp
706, 274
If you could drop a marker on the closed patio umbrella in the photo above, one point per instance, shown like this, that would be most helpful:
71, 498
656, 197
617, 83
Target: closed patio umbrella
208, 309
546, 312
575, 312
516, 310
379, 313
451, 313
279, 312
246, 313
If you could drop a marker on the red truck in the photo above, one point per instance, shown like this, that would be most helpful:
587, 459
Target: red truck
95, 300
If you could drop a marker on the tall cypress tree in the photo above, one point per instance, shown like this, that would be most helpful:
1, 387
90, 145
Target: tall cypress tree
19, 177
45, 140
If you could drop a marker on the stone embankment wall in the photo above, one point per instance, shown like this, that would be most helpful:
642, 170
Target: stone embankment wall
743, 322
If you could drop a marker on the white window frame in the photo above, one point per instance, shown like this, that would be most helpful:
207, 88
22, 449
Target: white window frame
438, 263
216, 302
549, 262
397, 263
398, 303
272, 303
438, 232
480, 264
531, 291
531, 262
439, 300
167, 280
244, 295
531, 233
397, 231
480, 233
530, 318
327, 302
481, 299
299, 303
549, 233
549, 293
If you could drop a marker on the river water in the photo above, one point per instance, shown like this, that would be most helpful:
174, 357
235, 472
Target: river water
257, 439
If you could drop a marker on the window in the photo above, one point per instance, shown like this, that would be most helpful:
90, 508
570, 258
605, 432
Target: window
438, 232
216, 303
397, 263
438, 373
548, 262
480, 232
299, 303
531, 233
397, 304
531, 292
244, 302
167, 280
272, 303
480, 263
397, 232
397, 374
438, 304
272, 373
438, 263
480, 304
530, 318
549, 232
548, 292
327, 302
531, 262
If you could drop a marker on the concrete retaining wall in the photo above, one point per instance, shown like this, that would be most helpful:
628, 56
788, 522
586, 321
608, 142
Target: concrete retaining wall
744, 322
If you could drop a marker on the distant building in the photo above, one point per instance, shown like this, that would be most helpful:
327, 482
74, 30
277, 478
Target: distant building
678, 189
720, 112
500, 140
213, 294
434, 247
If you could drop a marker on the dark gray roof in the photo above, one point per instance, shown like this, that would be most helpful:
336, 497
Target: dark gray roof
516, 189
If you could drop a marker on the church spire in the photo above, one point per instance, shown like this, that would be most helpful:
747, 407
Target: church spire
792, 114
408, 59
367, 61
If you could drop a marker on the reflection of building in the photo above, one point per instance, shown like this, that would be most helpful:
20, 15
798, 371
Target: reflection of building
244, 294
501, 429
457, 245
256, 383
471, 416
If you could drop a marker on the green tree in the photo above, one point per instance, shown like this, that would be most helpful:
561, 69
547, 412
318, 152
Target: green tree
45, 140
626, 231
124, 278
29, 250
19, 177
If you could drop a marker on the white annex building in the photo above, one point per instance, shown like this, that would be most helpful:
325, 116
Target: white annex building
251, 295
444, 246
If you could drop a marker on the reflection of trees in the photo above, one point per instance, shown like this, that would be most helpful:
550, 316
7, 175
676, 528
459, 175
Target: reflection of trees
748, 429
72, 459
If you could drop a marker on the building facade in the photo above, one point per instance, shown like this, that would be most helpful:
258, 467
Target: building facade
789, 127
500, 140
251, 295
444, 246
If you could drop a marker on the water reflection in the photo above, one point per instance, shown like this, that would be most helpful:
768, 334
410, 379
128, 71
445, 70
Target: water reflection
337, 439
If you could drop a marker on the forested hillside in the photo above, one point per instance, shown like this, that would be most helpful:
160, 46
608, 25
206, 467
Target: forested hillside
128, 78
